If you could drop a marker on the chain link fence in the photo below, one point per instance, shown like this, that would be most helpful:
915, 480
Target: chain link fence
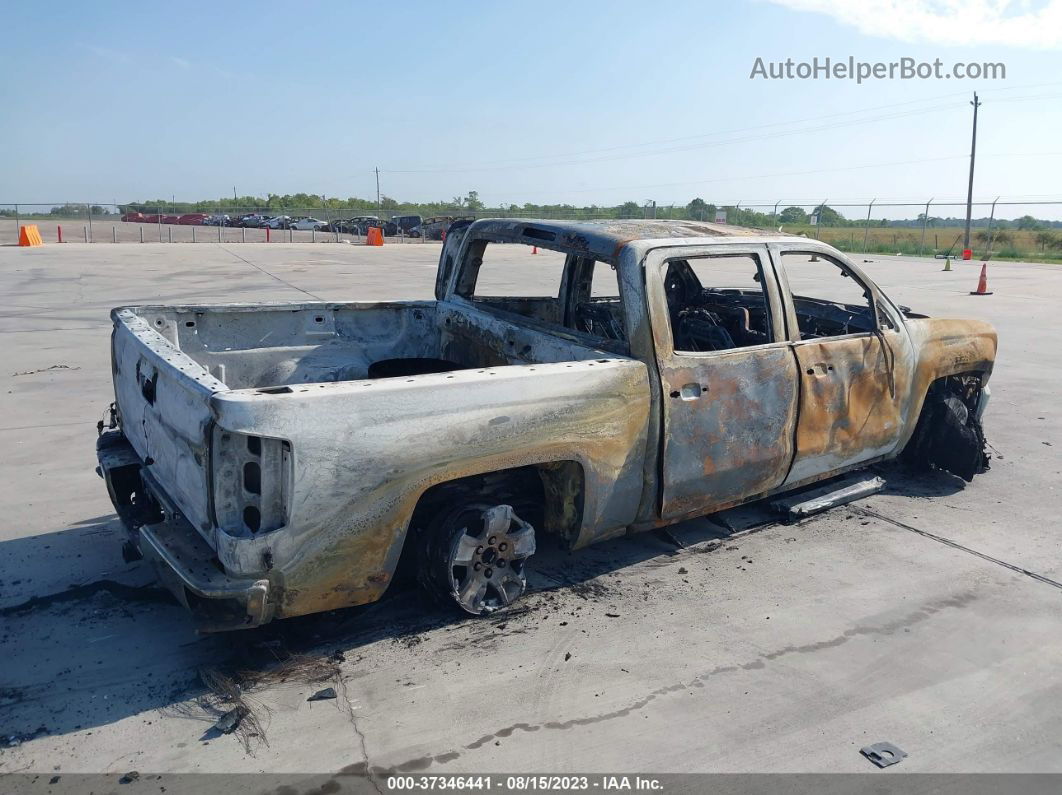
91, 222
1005, 229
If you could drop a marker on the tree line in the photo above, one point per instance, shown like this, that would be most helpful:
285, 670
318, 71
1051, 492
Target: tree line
470, 204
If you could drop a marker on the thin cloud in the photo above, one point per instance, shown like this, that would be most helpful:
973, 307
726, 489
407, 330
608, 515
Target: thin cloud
181, 62
1013, 23
115, 56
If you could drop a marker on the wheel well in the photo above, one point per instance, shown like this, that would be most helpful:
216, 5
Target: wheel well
548, 495
965, 386
948, 434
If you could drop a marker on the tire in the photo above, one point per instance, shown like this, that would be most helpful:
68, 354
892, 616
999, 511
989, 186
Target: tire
948, 435
472, 556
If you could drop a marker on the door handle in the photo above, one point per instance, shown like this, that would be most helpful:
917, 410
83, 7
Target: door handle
689, 392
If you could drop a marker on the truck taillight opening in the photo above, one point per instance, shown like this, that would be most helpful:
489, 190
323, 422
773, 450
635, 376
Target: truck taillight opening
252, 483
252, 478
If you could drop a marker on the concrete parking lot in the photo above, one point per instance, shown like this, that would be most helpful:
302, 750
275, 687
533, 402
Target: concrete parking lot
929, 615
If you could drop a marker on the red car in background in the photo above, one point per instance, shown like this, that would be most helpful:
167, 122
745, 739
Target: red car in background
192, 219
137, 218
171, 219
150, 219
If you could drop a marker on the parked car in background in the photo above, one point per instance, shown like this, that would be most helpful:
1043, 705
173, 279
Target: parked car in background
151, 219
406, 223
359, 223
365, 222
349, 226
252, 220
192, 219
340, 225
278, 222
218, 219
171, 219
307, 224
137, 218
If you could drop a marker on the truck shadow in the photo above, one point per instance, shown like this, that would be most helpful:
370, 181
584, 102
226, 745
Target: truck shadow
118, 646
920, 484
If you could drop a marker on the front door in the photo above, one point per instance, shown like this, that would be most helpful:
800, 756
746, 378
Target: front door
728, 376
851, 357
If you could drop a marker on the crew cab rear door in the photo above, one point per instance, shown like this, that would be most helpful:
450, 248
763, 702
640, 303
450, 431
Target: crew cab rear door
854, 358
729, 382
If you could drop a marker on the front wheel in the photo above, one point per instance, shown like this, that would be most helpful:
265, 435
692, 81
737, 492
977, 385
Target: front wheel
474, 555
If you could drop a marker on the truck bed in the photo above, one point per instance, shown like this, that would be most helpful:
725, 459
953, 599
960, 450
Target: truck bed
183, 372
272, 346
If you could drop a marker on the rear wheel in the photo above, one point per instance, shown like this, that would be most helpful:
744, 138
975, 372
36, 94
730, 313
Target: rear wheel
473, 556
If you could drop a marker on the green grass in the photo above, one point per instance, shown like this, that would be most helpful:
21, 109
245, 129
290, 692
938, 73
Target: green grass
1009, 244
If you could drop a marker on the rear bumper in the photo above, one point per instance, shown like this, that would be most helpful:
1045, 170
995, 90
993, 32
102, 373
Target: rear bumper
184, 562
191, 572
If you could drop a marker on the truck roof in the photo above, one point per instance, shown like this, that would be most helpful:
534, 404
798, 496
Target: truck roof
607, 237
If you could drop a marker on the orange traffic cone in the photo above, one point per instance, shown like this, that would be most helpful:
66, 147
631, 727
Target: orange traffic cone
982, 283
534, 249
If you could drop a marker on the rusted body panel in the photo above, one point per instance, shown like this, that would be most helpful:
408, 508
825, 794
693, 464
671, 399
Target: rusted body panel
374, 447
946, 346
728, 428
867, 406
728, 417
266, 429
854, 394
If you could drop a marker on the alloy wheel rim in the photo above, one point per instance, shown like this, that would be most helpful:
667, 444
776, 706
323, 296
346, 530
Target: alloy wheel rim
487, 559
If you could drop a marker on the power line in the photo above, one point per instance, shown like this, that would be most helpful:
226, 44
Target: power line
706, 180
761, 126
497, 165
705, 145
715, 133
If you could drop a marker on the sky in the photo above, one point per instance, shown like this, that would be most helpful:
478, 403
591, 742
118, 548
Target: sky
577, 102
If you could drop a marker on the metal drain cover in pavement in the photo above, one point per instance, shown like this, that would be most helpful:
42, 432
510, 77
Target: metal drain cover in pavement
883, 754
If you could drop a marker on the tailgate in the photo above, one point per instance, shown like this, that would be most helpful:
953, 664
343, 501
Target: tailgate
163, 401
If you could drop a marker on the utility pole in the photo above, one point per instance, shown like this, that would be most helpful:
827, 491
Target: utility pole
969, 190
377, 190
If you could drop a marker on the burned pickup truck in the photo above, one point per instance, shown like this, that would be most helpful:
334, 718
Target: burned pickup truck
584, 380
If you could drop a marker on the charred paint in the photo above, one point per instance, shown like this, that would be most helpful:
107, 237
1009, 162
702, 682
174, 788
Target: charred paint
728, 426
621, 438
853, 396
